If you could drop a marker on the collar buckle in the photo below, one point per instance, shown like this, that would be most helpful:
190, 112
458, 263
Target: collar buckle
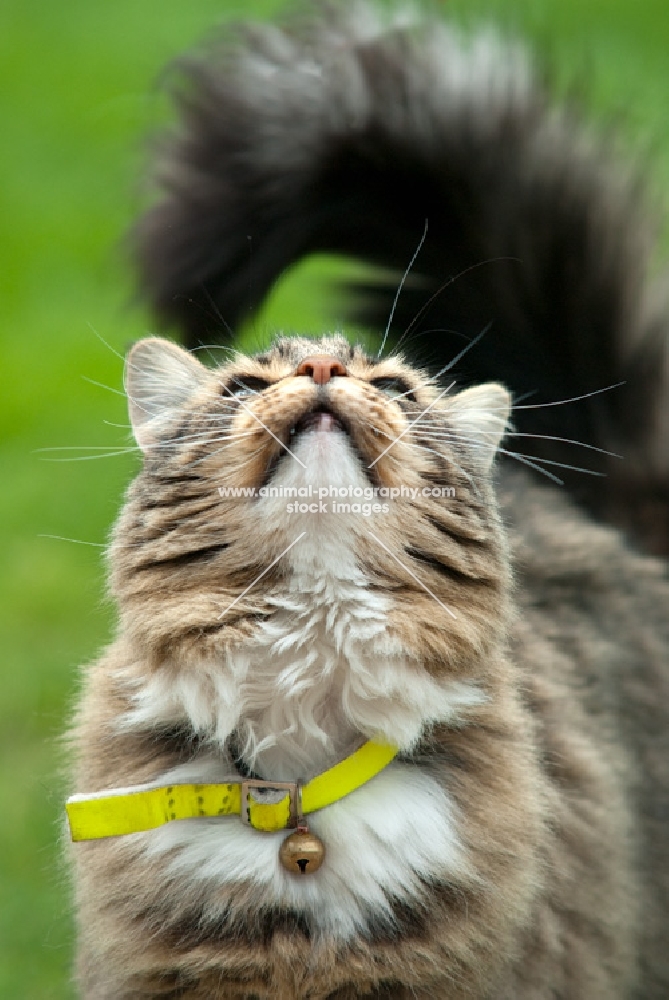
293, 787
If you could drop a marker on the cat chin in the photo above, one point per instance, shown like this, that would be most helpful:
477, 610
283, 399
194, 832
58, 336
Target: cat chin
324, 458
404, 828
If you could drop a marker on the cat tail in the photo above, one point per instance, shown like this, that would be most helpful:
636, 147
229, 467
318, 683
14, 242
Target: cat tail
345, 132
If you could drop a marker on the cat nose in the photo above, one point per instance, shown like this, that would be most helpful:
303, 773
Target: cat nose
321, 368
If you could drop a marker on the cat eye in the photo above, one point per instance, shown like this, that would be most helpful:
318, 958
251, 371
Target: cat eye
394, 387
246, 385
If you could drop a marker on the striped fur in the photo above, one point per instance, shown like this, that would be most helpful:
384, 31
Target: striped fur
512, 647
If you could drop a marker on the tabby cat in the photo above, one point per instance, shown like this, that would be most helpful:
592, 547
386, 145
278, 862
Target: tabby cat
328, 549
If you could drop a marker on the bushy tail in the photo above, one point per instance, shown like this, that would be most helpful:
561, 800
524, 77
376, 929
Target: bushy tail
340, 134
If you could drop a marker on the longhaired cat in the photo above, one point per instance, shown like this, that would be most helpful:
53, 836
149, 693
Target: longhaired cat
328, 549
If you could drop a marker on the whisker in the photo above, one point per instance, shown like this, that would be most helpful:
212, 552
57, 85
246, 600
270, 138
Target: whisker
239, 382
188, 439
217, 311
101, 385
226, 441
526, 461
399, 290
461, 354
550, 461
377, 430
81, 447
451, 461
572, 399
400, 395
206, 312
412, 424
426, 333
208, 348
532, 460
90, 458
450, 281
550, 437
210, 454
103, 341
215, 347
76, 541
269, 431
477, 443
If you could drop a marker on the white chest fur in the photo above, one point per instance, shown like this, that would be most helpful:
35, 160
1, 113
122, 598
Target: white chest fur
324, 673
319, 675
381, 842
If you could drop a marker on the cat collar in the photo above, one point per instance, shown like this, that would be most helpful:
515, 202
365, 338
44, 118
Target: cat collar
120, 811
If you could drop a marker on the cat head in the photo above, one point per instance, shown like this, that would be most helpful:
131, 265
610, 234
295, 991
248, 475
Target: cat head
309, 462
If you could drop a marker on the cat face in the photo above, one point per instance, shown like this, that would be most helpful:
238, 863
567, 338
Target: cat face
175, 401
309, 460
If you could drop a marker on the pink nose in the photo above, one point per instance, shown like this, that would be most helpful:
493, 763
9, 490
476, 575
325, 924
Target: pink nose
321, 368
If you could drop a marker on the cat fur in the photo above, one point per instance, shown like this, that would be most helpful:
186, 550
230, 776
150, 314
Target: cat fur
511, 644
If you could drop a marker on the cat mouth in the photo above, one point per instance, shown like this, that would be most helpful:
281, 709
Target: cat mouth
320, 418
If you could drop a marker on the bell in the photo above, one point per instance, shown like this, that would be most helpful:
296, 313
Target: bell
302, 852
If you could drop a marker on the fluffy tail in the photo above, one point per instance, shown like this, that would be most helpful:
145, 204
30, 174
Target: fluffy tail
340, 134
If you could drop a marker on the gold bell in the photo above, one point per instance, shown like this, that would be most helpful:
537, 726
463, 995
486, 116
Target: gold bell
302, 852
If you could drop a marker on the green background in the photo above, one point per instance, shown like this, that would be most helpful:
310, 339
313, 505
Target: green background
78, 94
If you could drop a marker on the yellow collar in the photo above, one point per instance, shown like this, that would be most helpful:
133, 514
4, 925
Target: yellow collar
120, 811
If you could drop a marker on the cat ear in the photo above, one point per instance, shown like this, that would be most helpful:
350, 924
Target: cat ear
480, 415
159, 379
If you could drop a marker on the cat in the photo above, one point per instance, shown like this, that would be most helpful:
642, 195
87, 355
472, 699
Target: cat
327, 548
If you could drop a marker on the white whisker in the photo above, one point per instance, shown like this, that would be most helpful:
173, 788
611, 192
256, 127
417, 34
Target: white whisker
89, 458
572, 399
461, 354
75, 541
447, 283
399, 289
550, 437
270, 432
103, 341
412, 424
101, 385
230, 468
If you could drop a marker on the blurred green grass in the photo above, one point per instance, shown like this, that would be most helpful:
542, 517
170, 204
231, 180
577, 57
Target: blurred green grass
77, 96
